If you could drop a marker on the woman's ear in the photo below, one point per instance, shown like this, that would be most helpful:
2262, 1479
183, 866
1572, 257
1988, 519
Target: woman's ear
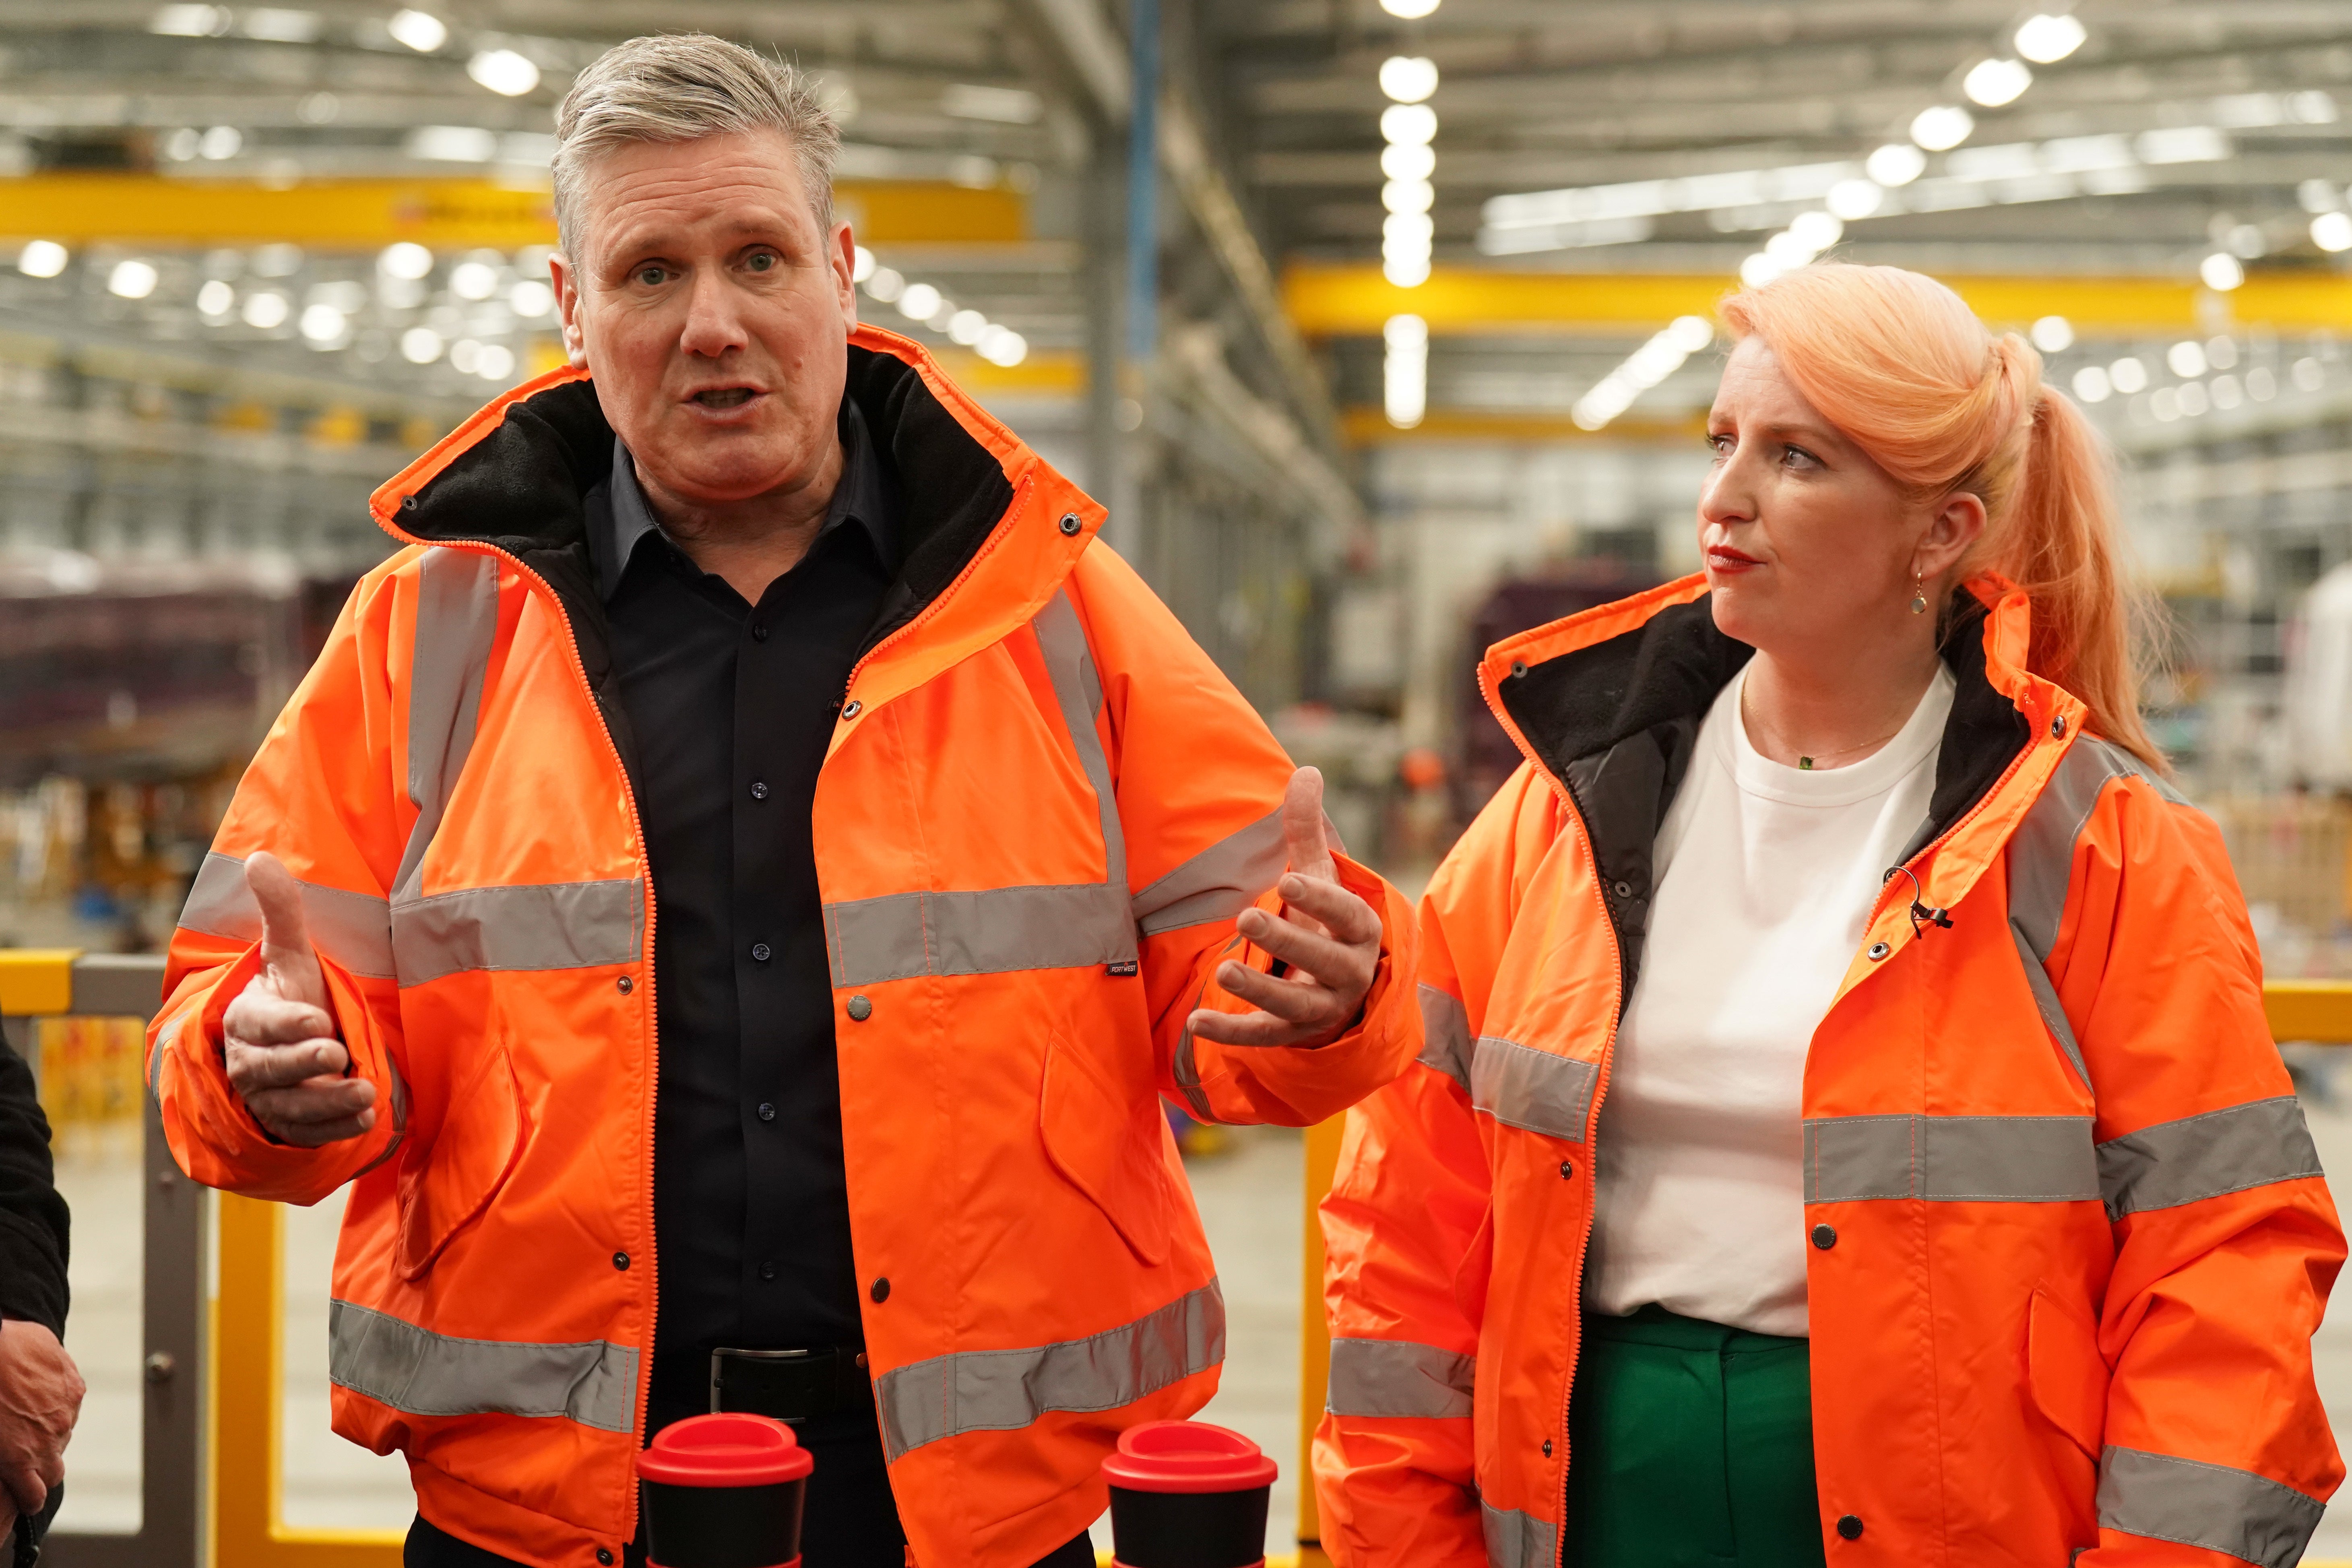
1953, 529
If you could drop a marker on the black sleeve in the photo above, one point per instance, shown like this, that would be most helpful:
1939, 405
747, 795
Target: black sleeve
34, 1223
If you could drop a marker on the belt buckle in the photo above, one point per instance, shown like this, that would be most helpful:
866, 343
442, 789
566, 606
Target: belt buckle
788, 1385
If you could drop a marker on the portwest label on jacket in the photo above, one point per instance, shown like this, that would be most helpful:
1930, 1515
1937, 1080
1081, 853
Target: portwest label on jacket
1040, 812
2069, 1238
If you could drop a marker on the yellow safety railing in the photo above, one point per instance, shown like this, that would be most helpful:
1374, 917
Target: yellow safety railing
249, 1316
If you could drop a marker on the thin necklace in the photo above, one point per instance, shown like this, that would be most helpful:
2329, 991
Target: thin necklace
1804, 762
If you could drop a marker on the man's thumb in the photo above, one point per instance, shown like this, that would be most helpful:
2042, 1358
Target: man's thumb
286, 951
1302, 826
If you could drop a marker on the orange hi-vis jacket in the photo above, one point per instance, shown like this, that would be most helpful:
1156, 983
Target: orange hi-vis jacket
1039, 814
2066, 1235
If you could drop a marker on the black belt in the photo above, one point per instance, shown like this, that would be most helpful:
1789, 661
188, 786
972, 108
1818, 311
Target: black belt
791, 1385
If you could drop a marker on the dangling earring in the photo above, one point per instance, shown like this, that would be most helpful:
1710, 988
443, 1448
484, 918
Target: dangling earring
1918, 593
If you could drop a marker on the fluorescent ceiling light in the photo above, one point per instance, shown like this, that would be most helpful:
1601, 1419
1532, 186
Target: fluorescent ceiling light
1897, 164
453, 143
420, 30
1996, 82
1409, 10
504, 72
1945, 125
283, 26
1409, 124
1000, 105
1643, 369
2221, 271
132, 279
190, 21
2046, 38
2052, 334
1409, 78
1407, 160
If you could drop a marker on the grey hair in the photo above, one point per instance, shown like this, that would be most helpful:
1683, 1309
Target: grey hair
682, 86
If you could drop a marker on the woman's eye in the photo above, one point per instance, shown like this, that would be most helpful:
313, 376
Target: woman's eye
1798, 457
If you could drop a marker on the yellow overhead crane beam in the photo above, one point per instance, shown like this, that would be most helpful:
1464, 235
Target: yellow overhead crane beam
1327, 301
80, 209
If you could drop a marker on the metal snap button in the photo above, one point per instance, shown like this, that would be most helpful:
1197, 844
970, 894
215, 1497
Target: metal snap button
1879, 950
860, 1009
759, 789
2058, 728
852, 709
1850, 1526
1568, 1169
1825, 1236
621, 1261
880, 1292
1622, 889
1070, 524
625, 984
761, 952
1517, 668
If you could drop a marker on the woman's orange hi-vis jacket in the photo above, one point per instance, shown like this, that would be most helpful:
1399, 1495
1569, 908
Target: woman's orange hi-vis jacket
2066, 1236
1039, 814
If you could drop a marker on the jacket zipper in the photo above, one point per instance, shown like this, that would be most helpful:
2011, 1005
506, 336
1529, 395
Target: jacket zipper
650, 1262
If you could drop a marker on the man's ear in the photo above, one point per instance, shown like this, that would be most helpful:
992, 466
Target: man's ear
569, 304
843, 254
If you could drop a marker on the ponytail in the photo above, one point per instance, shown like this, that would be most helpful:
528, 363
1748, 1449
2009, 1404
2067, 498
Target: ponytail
2062, 543
1903, 368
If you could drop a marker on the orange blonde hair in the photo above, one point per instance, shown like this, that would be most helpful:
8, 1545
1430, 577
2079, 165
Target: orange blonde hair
1906, 370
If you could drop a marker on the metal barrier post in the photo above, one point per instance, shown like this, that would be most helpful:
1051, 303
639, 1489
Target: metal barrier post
172, 1304
1314, 1336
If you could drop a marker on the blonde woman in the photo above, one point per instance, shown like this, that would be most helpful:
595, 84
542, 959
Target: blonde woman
1848, 1129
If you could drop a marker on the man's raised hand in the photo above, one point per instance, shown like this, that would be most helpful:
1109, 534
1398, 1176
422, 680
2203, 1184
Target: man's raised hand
1328, 939
281, 1048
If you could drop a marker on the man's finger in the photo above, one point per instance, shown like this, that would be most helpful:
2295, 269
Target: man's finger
1249, 1028
1302, 826
260, 1016
1345, 916
253, 1069
1304, 948
319, 1099
286, 952
1289, 999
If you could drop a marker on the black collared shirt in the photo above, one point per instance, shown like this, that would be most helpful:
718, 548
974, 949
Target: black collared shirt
733, 705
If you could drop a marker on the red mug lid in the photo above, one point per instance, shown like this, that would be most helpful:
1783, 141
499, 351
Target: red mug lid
727, 1449
1187, 1457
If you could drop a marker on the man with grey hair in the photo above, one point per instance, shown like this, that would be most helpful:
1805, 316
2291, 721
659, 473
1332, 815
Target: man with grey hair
731, 895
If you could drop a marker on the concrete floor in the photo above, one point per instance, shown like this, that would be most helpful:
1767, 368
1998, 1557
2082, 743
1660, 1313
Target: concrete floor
1249, 1199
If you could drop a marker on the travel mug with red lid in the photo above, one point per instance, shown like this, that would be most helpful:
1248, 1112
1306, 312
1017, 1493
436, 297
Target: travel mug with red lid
1184, 1494
723, 1491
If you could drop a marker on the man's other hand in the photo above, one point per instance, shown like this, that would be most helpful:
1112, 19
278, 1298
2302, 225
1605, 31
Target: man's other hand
1328, 939
40, 1397
281, 1050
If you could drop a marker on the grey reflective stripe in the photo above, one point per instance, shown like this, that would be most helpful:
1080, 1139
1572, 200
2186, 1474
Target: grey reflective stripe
991, 931
457, 621
1521, 1087
1950, 1159
164, 1038
1003, 1391
2046, 1003
555, 925
2042, 861
1398, 1377
353, 931
1078, 690
1219, 882
412, 1369
399, 1117
1516, 1540
998, 930
2192, 1503
2228, 1150
1445, 1035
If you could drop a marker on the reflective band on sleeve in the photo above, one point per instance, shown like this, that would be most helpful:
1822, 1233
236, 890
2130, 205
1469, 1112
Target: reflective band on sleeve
413, 1369
1398, 1377
2229, 1151
1078, 690
1950, 1159
457, 622
1003, 1391
1445, 1035
2041, 862
1516, 1540
1219, 882
995, 931
352, 931
2191, 1503
1535, 1090
164, 1038
556, 925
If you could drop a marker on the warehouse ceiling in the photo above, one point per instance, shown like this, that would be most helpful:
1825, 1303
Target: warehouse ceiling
1679, 137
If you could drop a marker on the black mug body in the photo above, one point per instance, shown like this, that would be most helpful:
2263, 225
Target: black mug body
723, 1527
1189, 1530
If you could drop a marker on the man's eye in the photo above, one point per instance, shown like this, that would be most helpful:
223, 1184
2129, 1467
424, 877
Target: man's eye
761, 261
651, 276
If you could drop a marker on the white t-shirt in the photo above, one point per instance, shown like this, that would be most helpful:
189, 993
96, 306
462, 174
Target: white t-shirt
1766, 875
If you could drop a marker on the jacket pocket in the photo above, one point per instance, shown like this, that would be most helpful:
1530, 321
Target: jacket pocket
2065, 1371
444, 1186
1111, 1147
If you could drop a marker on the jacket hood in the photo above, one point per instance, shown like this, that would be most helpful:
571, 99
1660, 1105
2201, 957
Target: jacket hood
991, 528
1609, 702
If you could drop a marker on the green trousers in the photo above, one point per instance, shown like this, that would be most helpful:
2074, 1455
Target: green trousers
1691, 1445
